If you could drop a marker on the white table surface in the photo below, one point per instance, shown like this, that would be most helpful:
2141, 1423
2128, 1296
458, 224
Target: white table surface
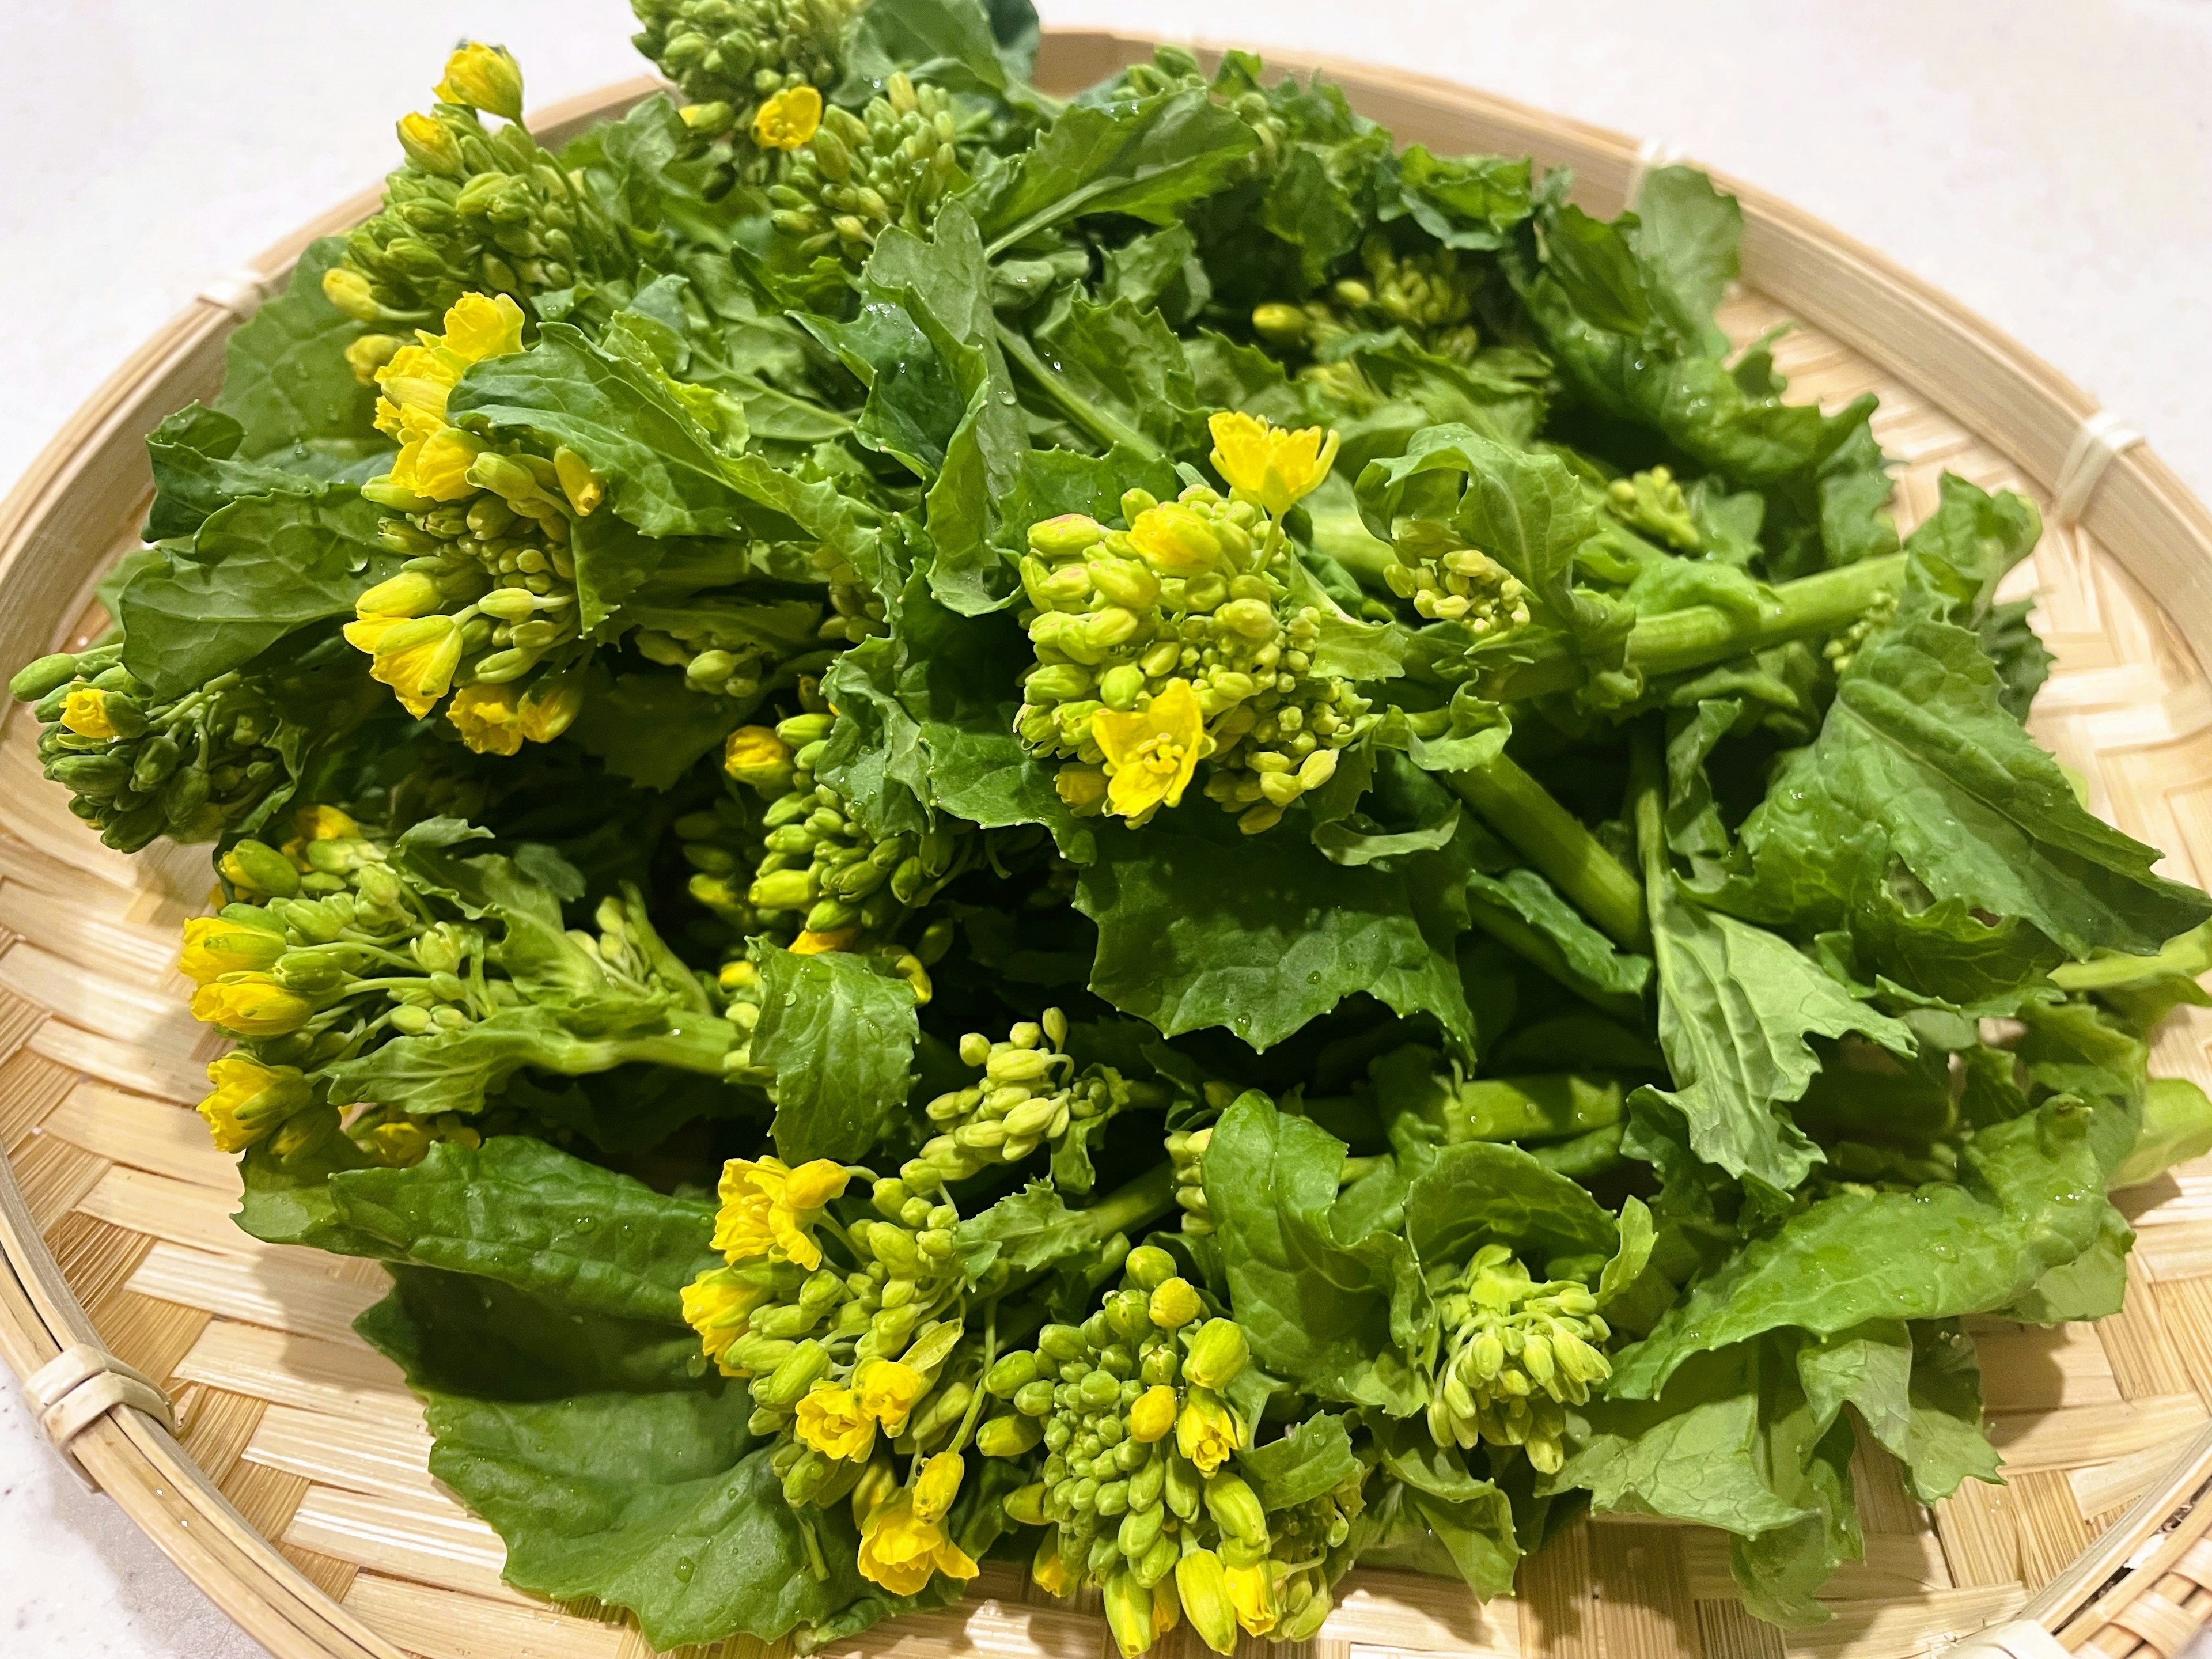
2049, 161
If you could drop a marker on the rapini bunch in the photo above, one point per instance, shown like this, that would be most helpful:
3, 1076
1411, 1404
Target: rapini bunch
1188, 636
1516, 1353
1652, 502
473, 211
339, 942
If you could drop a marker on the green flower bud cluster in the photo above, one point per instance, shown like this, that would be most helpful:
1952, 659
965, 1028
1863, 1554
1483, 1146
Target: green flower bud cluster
473, 211
1449, 583
738, 53
1303, 1544
1030, 1094
1430, 294
1137, 1435
822, 872
1517, 1351
1652, 503
138, 766
1197, 590
892, 164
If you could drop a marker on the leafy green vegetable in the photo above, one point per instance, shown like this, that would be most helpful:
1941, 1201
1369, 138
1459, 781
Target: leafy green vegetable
840, 1037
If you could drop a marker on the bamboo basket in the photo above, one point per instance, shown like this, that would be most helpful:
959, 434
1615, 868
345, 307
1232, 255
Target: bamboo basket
281, 1463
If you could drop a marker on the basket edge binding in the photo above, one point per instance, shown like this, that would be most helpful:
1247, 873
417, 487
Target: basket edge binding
2134, 504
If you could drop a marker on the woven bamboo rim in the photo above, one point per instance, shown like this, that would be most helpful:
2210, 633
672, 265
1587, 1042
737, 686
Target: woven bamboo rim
294, 1490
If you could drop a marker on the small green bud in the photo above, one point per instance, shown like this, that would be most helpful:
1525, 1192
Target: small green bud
35, 679
1236, 1509
1149, 1266
801, 1368
1026, 1505
1129, 1614
1066, 536
1033, 1399
1012, 1372
1202, 1586
1008, 1437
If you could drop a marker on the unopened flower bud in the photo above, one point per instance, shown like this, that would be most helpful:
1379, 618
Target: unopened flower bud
1217, 1354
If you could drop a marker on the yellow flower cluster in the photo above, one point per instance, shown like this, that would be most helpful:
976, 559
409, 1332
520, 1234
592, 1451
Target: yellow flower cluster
434, 455
770, 1210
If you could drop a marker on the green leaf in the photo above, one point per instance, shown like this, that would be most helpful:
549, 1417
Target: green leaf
289, 1202
256, 570
455, 1333
515, 1210
1688, 237
1481, 1193
948, 41
1026, 1231
1310, 1458
667, 475
660, 1503
194, 457
1199, 925
1521, 909
1919, 764
839, 1035
1148, 158
1738, 1007
1333, 1316
2030, 1198
650, 728
286, 380
1124, 359
1463, 201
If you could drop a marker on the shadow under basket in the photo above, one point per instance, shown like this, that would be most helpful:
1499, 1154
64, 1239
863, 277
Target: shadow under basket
282, 1464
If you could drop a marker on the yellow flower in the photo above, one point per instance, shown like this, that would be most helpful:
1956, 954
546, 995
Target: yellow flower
438, 466
368, 633
1276, 468
369, 354
348, 291
551, 707
480, 326
835, 1423
324, 823
811, 944
890, 1389
416, 658
1208, 1432
84, 712
410, 593
1150, 754
1153, 1414
214, 946
902, 1551
1048, 1572
430, 145
1174, 1303
1174, 540
1082, 788
718, 1304
584, 487
788, 119
250, 1005
755, 755
250, 1099
399, 1141
1252, 1591
484, 77
768, 1208
489, 718
938, 1485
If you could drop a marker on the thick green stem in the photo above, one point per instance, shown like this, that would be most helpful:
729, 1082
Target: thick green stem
698, 1043
1108, 428
1703, 635
2190, 955
1554, 840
